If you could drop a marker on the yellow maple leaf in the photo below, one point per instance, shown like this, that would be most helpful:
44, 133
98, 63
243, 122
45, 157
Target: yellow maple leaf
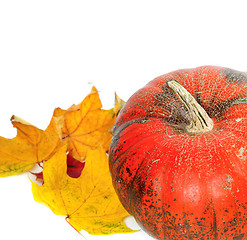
87, 125
119, 103
89, 202
30, 146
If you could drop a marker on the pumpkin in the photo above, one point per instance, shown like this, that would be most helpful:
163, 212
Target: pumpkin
178, 155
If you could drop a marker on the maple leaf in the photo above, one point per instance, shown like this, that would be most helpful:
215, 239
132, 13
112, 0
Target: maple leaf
72, 153
87, 125
119, 103
30, 146
74, 169
89, 202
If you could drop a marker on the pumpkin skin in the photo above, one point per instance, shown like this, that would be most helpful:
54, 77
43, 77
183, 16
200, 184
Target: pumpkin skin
177, 184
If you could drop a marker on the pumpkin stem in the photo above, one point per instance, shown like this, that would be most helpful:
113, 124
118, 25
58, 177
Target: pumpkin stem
200, 122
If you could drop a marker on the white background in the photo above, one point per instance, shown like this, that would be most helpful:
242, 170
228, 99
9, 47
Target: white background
50, 50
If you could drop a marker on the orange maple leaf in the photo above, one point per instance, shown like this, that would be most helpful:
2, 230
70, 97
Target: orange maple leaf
87, 125
30, 146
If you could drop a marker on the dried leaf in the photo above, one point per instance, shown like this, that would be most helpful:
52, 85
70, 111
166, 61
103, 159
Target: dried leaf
119, 103
86, 126
74, 180
31, 145
89, 202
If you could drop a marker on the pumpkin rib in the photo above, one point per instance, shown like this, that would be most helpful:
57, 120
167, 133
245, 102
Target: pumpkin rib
122, 160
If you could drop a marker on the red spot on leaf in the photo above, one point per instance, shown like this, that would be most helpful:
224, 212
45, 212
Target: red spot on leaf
39, 177
74, 167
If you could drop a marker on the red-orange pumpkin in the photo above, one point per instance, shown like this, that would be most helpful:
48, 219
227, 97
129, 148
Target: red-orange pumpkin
178, 155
